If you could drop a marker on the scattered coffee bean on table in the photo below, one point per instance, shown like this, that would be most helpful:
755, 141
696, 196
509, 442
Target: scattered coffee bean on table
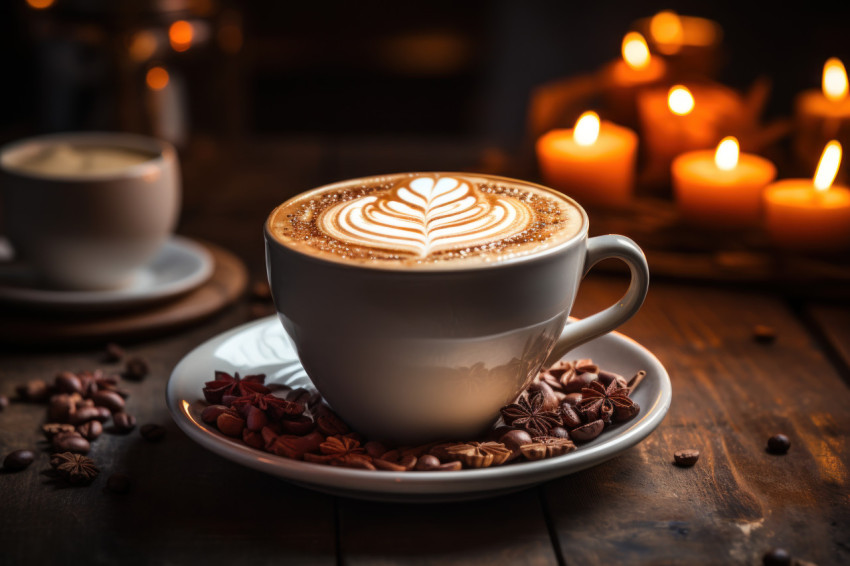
136, 369
778, 444
119, 483
113, 353
764, 334
18, 460
152, 432
4, 402
686, 458
122, 423
776, 557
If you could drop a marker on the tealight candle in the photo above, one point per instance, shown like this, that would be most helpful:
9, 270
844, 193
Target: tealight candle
810, 214
624, 77
691, 44
593, 162
721, 188
822, 115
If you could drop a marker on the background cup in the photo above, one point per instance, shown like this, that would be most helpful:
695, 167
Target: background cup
93, 231
421, 354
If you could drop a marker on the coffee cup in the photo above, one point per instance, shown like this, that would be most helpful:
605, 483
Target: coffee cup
421, 303
84, 211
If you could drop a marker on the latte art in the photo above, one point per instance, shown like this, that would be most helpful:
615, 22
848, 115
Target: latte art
424, 215
425, 220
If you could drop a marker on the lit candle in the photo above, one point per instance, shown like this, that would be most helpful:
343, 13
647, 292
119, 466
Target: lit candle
721, 188
810, 214
822, 115
684, 119
593, 162
623, 78
691, 45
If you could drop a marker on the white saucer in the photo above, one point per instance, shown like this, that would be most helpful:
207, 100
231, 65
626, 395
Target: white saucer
179, 267
262, 347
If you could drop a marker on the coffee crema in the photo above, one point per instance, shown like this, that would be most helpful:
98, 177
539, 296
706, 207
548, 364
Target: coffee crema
425, 220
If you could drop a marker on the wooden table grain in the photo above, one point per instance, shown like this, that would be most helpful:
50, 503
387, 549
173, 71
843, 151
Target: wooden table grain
188, 506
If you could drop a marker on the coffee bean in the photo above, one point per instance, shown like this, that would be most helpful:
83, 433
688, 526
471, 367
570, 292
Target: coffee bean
776, 557
550, 401
67, 382
136, 369
227, 423
34, 391
60, 407
253, 439
123, 423
559, 432
330, 424
514, 440
427, 462
18, 460
764, 334
52, 429
298, 425
71, 442
86, 414
686, 458
572, 399
778, 444
113, 353
4, 402
255, 419
119, 483
110, 400
90, 430
579, 381
608, 377
299, 395
155, 433
588, 432
570, 416
211, 413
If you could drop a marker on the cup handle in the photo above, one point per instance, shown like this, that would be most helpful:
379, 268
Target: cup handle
599, 248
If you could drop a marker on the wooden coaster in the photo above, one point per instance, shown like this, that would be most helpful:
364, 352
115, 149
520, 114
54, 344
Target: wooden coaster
226, 285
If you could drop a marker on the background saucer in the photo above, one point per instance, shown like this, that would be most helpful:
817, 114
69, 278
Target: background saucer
263, 347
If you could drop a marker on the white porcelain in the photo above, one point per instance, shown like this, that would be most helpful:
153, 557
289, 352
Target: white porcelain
262, 346
416, 354
180, 266
93, 231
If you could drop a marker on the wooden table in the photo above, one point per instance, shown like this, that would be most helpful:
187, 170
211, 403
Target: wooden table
188, 506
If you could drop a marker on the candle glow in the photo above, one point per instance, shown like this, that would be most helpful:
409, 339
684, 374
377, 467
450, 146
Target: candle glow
635, 50
680, 100
180, 35
830, 161
156, 78
834, 80
586, 130
667, 32
726, 156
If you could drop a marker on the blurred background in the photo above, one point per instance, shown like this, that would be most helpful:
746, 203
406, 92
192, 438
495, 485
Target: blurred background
182, 68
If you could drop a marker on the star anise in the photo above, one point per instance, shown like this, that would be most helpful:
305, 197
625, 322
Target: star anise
530, 415
275, 407
75, 468
479, 454
611, 403
547, 447
233, 385
341, 451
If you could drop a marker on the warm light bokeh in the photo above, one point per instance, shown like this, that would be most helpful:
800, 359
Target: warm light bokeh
156, 78
667, 32
180, 35
40, 4
587, 129
142, 46
635, 50
680, 100
830, 161
834, 80
726, 156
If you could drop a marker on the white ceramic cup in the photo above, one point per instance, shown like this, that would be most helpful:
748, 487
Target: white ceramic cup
416, 355
92, 231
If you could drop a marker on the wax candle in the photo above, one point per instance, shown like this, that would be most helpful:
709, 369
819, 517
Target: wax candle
810, 214
625, 77
822, 115
722, 188
691, 45
684, 118
593, 162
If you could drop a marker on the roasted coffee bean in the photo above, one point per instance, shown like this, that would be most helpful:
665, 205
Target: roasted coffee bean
253, 438
579, 381
559, 432
427, 462
4, 402
211, 413
776, 557
90, 430
52, 429
686, 458
778, 444
299, 395
588, 432
110, 400
573, 399
375, 449
34, 391
608, 377
123, 423
230, 424
315, 400
514, 440
764, 334
298, 425
136, 369
570, 416
154, 432
18, 460
330, 424
67, 382
80, 403
255, 419
71, 442
113, 353
119, 483
86, 414
61, 407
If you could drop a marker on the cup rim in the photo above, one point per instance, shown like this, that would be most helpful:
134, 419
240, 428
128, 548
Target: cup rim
161, 150
374, 266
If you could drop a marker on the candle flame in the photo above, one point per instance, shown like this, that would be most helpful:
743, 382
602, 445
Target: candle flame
726, 156
680, 100
635, 50
830, 161
180, 35
666, 30
40, 4
587, 129
156, 78
834, 80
